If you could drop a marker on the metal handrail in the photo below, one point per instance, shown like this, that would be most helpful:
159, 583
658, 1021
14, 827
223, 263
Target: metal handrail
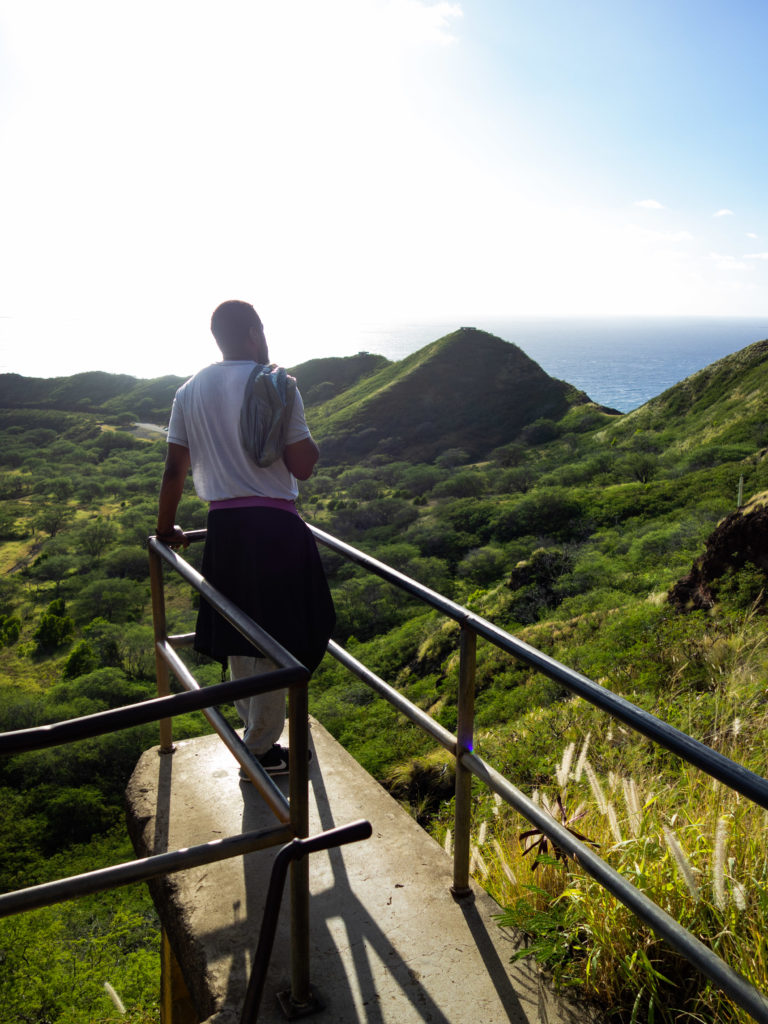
290, 674
740, 990
715, 764
469, 764
292, 814
140, 870
296, 810
41, 737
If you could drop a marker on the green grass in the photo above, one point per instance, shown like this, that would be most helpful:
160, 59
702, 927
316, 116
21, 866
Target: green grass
696, 850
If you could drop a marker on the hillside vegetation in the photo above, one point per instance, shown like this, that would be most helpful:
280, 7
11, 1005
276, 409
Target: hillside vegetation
469, 388
468, 468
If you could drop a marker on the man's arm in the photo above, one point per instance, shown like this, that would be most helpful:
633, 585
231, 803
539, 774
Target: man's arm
300, 457
177, 463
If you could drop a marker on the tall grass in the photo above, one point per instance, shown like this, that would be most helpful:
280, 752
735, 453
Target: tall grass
694, 847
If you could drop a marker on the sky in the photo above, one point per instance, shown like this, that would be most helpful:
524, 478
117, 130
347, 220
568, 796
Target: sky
343, 163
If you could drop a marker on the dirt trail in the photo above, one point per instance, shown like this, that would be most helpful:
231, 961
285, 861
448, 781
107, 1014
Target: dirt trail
24, 562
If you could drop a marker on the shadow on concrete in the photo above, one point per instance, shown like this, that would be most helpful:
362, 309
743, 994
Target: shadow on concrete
495, 967
163, 802
388, 942
363, 936
349, 950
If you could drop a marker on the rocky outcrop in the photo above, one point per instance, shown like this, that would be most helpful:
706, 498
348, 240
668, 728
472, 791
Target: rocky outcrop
740, 538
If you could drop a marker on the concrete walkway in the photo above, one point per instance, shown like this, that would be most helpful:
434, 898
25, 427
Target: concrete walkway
389, 944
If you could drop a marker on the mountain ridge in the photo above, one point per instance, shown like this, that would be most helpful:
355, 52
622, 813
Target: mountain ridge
723, 405
468, 389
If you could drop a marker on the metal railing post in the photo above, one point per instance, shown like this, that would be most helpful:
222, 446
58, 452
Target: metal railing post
161, 635
298, 739
465, 736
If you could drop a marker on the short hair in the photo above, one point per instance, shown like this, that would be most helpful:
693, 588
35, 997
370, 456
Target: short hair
232, 321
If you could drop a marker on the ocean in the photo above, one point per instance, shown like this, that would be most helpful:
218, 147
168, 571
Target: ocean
620, 362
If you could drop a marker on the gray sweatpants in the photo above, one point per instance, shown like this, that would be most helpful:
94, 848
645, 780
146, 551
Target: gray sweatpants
264, 715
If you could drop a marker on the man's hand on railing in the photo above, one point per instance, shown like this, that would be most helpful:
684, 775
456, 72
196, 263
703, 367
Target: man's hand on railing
174, 537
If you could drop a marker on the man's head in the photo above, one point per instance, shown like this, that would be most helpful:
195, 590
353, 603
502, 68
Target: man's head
238, 331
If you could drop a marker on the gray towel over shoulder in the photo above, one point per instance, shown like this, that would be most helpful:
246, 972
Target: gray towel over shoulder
266, 412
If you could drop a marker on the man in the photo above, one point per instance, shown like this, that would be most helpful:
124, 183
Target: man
258, 551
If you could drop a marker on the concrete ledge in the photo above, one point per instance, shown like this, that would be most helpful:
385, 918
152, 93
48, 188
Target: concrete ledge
388, 942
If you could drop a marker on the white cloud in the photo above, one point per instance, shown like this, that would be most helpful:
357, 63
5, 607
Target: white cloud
649, 204
756, 256
751, 234
723, 213
725, 262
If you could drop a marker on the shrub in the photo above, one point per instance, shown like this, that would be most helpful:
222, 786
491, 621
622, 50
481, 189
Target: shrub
55, 627
483, 565
435, 540
115, 600
461, 485
81, 660
451, 458
539, 432
76, 815
469, 516
552, 512
127, 562
53, 517
107, 687
104, 638
423, 782
509, 454
419, 479
10, 628
545, 566
518, 478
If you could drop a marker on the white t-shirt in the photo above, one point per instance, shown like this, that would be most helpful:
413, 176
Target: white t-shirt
206, 419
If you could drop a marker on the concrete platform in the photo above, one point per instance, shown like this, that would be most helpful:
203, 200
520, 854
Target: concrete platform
389, 944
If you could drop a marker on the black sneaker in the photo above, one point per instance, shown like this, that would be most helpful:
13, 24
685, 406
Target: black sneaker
275, 761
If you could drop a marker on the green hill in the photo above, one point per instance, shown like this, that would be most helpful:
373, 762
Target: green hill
468, 390
723, 404
150, 399
713, 417
96, 392
321, 379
